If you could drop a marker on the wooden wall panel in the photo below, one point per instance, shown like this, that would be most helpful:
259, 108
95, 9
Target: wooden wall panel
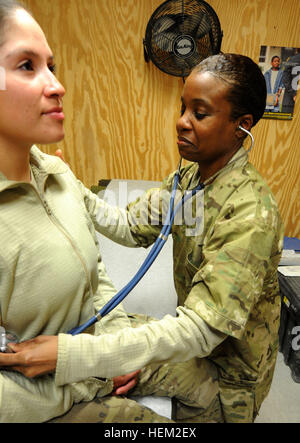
121, 112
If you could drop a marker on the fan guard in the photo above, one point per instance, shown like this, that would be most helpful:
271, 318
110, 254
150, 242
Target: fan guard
180, 34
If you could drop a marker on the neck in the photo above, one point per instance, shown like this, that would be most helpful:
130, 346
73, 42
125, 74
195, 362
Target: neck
209, 170
14, 162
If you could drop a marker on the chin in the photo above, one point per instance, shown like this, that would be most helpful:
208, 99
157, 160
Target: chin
186, 156
51, 138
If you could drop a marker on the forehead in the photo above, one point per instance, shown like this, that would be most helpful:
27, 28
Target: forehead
205, 87
22, 31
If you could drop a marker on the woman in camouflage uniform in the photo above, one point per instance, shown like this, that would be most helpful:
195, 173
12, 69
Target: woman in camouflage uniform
222, 345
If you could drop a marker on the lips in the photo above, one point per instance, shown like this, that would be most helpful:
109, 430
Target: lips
56, 113
182, 141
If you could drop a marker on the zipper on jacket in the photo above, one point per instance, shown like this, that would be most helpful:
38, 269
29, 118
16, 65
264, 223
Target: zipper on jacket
59, 226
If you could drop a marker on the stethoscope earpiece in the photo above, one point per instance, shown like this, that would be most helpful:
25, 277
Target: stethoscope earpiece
250, 135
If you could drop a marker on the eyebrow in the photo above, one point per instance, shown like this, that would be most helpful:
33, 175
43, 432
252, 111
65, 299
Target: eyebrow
27, 52
199, 101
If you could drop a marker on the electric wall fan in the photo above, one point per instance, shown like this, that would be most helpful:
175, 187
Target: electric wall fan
180, 34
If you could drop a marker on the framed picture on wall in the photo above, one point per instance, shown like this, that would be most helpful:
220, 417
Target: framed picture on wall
281, 69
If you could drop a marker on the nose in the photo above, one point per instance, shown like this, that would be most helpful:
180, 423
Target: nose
183, 123
53, 88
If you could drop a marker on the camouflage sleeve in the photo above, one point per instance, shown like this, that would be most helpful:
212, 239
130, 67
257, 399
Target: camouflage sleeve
241, 251
136, 226
148, 213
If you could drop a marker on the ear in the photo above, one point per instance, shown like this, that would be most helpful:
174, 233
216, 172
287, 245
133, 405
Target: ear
246, 121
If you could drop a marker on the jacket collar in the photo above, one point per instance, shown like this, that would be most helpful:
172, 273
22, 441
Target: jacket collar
239, 159
47, 164
44, 164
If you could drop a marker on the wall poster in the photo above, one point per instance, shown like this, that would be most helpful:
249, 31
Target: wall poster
281, 69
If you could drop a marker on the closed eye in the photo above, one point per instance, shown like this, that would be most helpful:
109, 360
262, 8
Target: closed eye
199, 116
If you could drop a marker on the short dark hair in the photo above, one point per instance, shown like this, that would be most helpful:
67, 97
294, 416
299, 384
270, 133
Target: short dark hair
275, 56
247, 91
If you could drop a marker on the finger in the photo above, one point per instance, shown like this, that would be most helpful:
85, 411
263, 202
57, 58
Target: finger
128, 377
9, 349
123, 379
123, 390
59, 153
15, 347
9, 359
18, 347
28, 344
30, 372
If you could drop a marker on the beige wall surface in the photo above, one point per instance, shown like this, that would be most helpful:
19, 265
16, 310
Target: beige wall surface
121, 112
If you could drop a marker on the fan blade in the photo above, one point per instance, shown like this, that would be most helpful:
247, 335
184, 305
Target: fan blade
164, 41
163, 24
204, 27
188, 25
170, 26
161, 33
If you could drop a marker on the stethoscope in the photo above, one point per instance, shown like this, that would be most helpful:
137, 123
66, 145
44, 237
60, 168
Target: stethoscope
156, 248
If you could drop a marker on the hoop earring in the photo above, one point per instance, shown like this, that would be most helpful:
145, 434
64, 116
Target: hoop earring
250, 135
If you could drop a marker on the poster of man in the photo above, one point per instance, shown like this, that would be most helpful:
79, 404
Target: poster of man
281, 69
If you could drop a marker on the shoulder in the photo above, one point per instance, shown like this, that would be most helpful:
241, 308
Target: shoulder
244, 195
50, 164
258, 188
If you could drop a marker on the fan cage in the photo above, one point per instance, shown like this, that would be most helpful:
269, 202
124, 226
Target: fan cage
180, 34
